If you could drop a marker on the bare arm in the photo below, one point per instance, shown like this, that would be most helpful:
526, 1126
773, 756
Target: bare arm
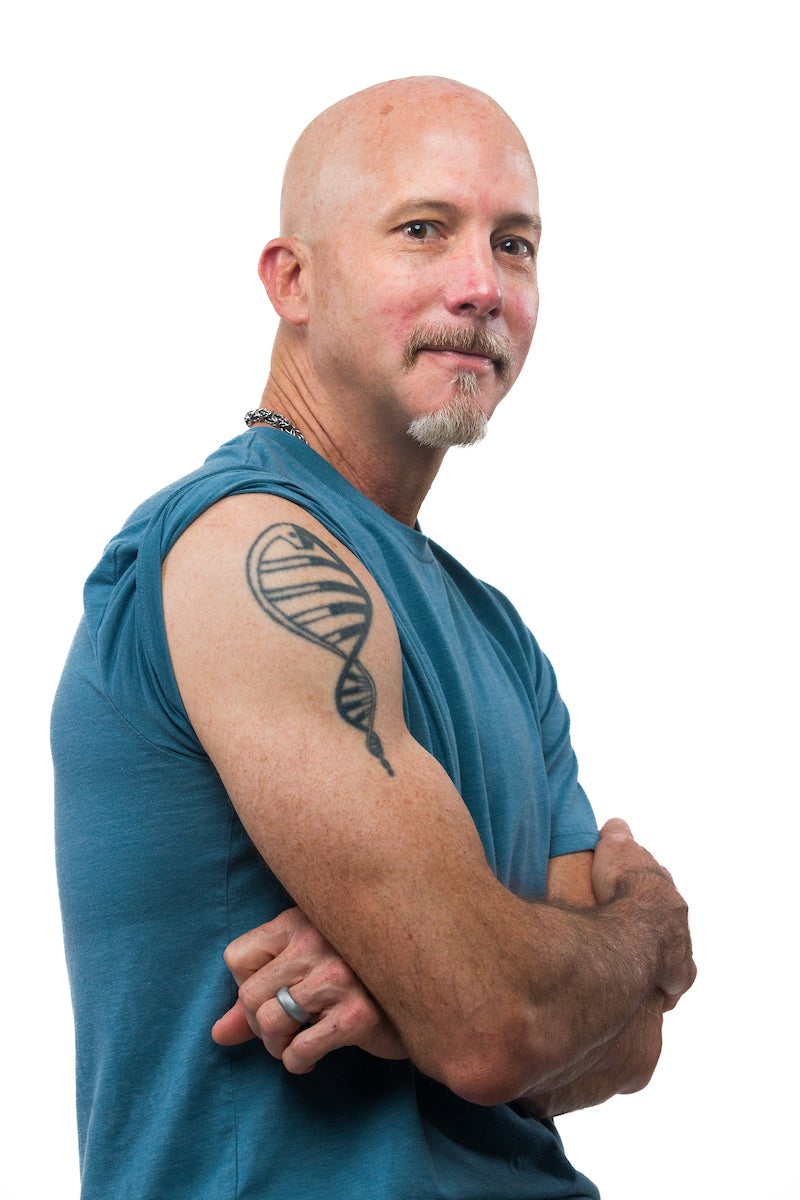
491, 995
288, 950
626, 1063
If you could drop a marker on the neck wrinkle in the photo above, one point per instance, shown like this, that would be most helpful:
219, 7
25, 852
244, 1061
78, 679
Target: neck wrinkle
395, 476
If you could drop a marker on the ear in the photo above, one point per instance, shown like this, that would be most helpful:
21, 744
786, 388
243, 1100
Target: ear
281, 269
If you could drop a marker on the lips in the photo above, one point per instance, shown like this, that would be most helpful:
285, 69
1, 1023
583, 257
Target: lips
486, 358
477, 343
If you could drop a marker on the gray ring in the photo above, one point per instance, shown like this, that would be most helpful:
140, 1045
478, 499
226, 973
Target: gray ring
292, 1008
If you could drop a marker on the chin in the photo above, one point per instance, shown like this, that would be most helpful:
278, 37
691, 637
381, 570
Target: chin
460, 422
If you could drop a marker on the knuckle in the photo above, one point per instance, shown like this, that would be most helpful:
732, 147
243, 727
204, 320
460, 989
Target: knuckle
267, 1021
314, 939
296, 918
359, 1015
232, 955
247, 993
337, 974
305, 1049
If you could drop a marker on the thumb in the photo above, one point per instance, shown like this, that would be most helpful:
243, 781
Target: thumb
232, 1028
610, 858
616, 827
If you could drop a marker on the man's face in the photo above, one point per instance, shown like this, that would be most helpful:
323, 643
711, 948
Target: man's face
424, 276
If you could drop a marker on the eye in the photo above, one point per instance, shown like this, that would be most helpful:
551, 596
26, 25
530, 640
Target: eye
420, 231
517, 247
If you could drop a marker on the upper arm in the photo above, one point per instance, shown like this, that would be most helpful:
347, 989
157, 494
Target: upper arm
289, 666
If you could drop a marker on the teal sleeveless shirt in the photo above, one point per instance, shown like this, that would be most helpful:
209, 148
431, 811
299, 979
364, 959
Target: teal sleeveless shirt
157, 875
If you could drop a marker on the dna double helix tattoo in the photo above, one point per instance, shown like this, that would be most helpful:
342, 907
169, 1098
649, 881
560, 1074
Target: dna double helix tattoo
306, 588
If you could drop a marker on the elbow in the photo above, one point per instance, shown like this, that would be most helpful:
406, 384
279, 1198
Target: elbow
497, 1066
482, 1083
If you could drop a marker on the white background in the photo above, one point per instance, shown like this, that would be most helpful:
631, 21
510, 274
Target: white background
636, 496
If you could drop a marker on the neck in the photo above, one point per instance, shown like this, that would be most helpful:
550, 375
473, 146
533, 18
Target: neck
393, 471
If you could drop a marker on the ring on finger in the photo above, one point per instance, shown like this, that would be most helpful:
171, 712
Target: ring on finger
292, 1008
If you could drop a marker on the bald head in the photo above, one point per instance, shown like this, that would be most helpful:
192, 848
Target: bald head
359, 137
405, 272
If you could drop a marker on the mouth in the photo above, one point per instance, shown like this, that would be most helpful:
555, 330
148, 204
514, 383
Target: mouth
475, 359
481, 348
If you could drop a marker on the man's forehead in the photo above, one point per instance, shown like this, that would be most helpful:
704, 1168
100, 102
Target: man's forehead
446, 172
413, 127
434, 160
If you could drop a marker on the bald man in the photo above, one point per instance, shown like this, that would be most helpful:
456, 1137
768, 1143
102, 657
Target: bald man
291, 723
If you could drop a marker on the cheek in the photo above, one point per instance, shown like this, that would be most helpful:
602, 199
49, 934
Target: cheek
522, 316
393, 309
383, 303
534, 314
521, 322
404, 289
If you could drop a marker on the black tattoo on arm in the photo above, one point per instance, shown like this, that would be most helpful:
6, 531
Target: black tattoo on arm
307, 589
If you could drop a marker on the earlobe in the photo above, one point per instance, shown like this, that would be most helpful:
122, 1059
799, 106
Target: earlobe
281, 269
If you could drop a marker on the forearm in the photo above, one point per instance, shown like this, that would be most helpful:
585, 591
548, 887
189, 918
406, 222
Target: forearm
495, 996
498, 997
562, 1025
571, 987
589, 1067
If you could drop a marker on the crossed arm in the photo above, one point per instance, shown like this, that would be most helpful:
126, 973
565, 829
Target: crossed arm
288, 951
552, 1004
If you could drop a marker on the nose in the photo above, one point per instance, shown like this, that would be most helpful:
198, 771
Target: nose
473, 286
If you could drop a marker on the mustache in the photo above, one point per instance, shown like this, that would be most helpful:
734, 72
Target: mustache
467, 339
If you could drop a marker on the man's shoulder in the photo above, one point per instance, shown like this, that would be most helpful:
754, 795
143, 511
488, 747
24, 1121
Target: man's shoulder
244, 466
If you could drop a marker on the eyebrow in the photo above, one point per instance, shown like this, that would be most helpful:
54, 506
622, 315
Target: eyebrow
529, 220
521, 218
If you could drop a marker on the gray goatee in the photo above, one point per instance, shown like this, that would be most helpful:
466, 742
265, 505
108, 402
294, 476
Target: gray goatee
461, 421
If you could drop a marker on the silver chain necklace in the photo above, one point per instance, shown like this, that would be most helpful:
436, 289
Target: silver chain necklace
265, 416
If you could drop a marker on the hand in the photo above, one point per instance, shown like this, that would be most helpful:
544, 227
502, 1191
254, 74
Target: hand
622, 867
289, 951
618, 1067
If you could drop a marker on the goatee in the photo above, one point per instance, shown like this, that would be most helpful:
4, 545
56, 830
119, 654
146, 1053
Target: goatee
460, 422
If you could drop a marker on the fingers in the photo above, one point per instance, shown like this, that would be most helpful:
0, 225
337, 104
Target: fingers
621, 864
678, 971
351, 1022
265, 1020
678, 982
259, 946
273, 1026
289, 952
329, 985
346, 1015
313, 984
